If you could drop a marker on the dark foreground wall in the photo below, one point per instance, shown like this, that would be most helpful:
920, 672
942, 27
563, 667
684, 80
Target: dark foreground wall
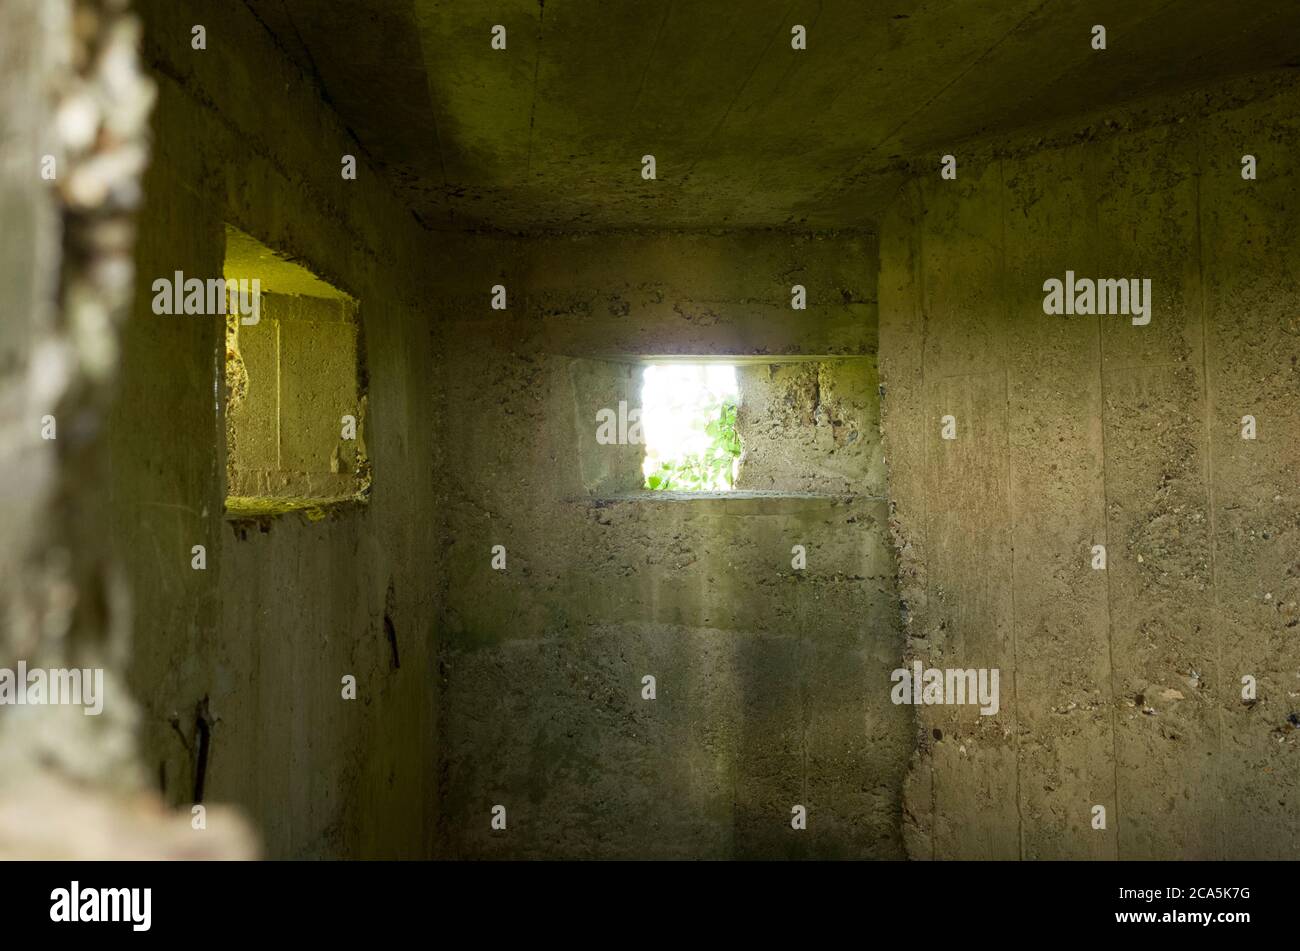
256, 645
1121, 687
767, 679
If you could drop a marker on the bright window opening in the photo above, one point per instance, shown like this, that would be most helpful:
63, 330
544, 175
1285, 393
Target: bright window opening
295, 390
688, 418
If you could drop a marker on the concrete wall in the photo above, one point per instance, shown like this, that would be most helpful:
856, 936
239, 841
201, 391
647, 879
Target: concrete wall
810, 426
1120, 687
763, 674
255, 646
291, 377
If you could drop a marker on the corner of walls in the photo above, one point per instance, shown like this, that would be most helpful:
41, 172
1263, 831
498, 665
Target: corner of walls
902, 422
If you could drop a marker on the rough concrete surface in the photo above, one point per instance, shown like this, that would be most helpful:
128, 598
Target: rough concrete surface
810, 427
746, 130
762, 672
1126, 683
256, 645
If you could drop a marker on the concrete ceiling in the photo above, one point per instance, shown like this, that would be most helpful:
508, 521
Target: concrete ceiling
746, 131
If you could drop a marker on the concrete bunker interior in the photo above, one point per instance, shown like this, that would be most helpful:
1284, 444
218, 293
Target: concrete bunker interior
461, 627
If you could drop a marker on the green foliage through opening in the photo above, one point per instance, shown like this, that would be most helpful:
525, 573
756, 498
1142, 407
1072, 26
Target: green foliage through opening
712, 469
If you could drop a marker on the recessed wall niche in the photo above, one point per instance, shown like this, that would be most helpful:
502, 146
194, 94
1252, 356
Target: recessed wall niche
295, 386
